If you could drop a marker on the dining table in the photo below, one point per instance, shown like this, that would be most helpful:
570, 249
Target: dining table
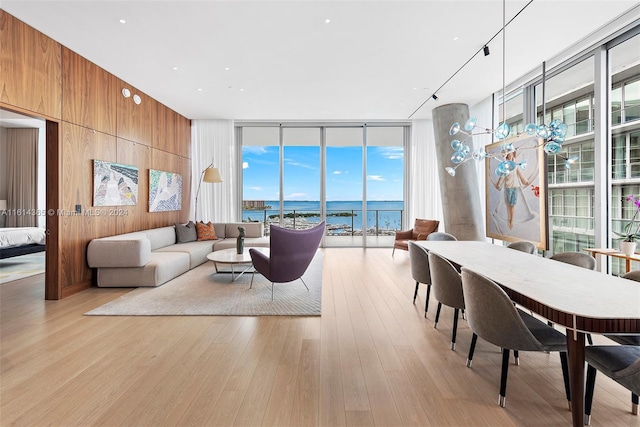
582, 301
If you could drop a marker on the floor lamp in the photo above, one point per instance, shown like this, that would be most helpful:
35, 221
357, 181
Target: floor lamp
210, 174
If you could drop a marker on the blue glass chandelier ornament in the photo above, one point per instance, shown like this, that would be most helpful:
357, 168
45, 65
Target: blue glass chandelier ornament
552, 135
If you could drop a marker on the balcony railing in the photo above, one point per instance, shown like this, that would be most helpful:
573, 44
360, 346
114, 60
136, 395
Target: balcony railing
380, 222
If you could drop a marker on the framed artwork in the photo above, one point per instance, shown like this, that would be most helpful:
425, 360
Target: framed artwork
165, 191
516, 205
114, 184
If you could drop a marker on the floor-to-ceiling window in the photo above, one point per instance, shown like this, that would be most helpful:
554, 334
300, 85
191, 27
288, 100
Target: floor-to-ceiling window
624, 62
351, 176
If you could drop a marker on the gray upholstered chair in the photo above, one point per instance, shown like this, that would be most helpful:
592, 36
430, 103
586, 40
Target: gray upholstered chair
290, 253
419, 259
438, 236
628, 339
620, 363
576, 258
492, 316
447, 290
523, 246
579, 259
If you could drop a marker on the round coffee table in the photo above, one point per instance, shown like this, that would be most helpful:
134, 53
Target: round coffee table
231, 257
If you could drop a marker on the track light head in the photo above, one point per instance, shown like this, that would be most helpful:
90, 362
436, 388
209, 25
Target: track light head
435, 98
485, 49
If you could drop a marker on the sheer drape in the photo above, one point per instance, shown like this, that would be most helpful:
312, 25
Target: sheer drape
22, 177
213, 141
424, 185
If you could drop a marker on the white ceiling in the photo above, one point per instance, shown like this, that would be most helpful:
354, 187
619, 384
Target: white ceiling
375, 60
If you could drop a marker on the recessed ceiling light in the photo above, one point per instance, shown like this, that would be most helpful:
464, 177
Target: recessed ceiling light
402, 104
226, 68
456, 38
122, 21
199, 89
327, 21
415, 88
241, 90
175, 68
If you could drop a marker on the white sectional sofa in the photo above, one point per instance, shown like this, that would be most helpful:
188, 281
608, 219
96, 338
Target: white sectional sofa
153, 257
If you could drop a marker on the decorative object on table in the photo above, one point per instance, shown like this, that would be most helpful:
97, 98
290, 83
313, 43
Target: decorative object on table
516, 202
114, 184
240, 240
211, 175
631, 231
165, 191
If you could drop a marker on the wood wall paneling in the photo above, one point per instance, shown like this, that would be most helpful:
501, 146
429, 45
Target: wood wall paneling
99, 123
80, 147
30, 68
136, 217
89, 94
136, 122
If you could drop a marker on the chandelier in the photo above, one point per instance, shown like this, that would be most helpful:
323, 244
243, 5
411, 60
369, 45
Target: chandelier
552, 136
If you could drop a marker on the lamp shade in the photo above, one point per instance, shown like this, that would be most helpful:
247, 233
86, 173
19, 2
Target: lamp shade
212, 175
3, 205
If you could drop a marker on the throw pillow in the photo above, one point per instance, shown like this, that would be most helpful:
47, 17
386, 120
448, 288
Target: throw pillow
206, 231
186, 233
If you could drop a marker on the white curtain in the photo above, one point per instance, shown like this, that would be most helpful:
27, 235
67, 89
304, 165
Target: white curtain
424, 183
483, 112
213, 141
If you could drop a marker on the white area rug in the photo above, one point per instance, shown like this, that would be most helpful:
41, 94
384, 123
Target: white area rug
202, 292
21, 266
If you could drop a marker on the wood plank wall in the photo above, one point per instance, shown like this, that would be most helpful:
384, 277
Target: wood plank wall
42, 78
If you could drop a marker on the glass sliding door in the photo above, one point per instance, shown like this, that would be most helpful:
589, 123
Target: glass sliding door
385, 184
344, 206
301, 177
261, 175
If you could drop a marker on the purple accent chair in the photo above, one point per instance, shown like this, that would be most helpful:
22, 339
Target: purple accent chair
290, 253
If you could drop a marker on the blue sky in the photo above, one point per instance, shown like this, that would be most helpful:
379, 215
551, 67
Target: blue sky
302, 173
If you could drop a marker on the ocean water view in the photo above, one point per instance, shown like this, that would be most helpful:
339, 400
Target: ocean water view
343, 217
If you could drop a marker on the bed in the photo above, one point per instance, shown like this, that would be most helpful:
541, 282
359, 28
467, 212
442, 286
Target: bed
21, 241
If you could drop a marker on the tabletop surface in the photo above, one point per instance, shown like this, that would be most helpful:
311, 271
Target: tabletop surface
564, 287
230, 256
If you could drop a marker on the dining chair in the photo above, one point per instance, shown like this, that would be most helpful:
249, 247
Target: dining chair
441, 236
419, 260
523, 246
627, 339
492, 316
621, 363
579, 259
576, 258
447, 290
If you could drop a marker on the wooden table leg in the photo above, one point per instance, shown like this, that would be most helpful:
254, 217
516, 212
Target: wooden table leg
575, 348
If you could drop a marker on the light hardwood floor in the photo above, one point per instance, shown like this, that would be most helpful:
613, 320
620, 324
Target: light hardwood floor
370, 359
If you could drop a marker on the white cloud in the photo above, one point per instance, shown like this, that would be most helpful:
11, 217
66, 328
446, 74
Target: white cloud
375, 178
291, 162
255, 188
337, 172
253, 149
245, 165
391, 153
296, 196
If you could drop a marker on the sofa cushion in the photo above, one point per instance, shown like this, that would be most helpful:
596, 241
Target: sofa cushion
161, 237
119, 252
206, 231
186, 233
251, 229
197, 251
162, 267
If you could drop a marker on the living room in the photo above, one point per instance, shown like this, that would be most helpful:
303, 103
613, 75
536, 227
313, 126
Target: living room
89, 117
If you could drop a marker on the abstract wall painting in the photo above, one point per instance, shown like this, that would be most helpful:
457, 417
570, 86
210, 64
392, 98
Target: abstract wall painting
114, 184
165, 191
516, 205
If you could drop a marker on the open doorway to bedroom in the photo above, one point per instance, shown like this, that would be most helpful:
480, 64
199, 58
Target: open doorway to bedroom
22, 196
